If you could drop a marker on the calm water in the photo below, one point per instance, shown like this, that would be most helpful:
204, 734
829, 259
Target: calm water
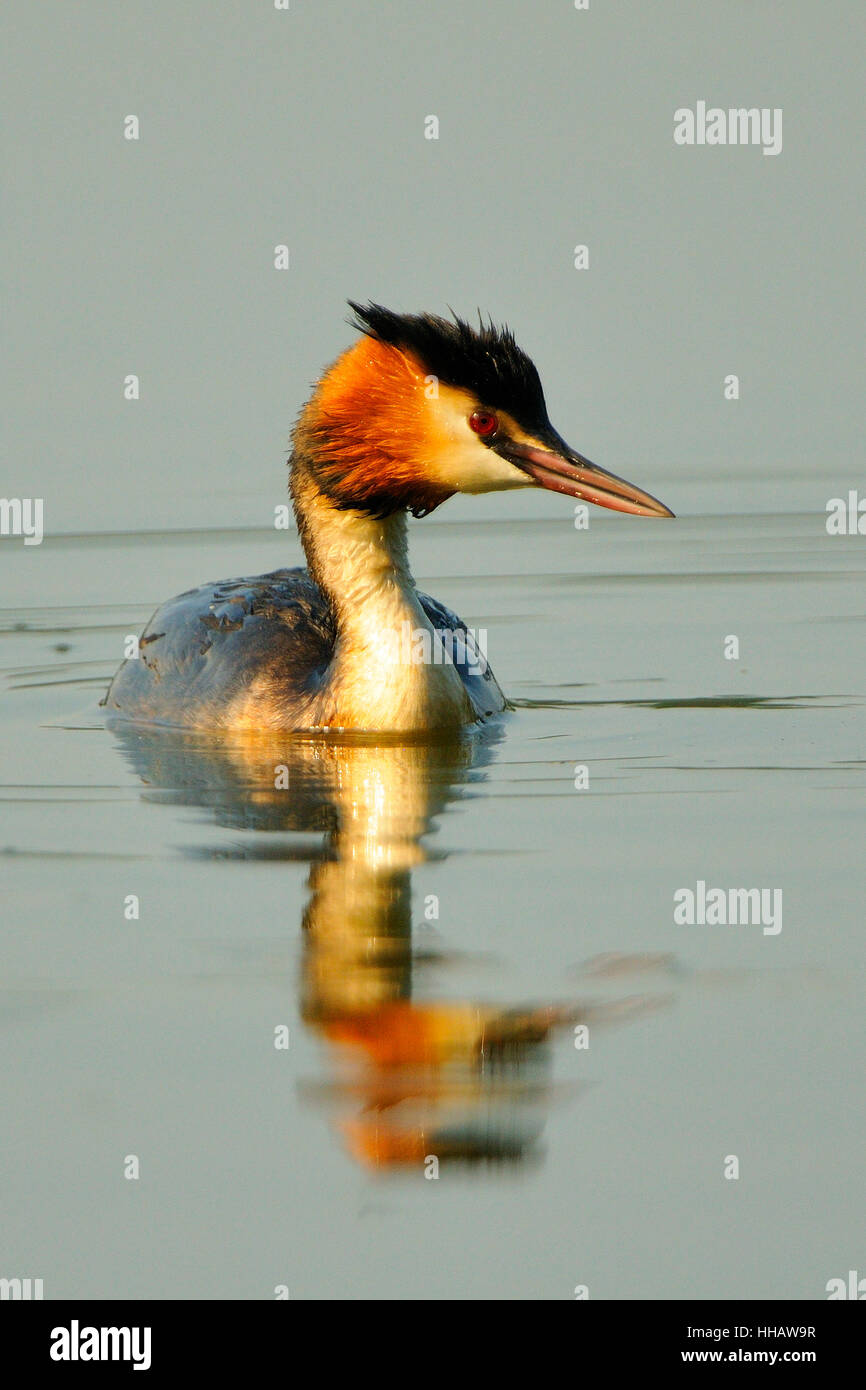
431, 924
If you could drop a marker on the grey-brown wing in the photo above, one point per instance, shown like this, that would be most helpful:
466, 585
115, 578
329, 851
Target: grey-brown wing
201, 649
467, 649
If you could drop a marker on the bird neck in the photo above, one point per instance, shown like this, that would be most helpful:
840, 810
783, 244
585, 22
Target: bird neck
361, 563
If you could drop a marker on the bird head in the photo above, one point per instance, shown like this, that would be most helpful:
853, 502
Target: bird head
422, 407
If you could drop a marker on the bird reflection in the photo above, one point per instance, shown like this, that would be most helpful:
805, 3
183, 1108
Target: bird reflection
419, 1081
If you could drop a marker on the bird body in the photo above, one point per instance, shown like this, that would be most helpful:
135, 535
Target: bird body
418, 409
261, 654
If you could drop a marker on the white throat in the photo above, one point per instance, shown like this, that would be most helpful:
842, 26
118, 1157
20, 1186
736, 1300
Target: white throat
362, 564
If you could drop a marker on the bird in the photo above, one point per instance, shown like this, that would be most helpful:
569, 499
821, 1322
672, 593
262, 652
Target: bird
420, 407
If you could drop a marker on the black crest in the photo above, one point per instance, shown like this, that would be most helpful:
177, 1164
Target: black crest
485, 360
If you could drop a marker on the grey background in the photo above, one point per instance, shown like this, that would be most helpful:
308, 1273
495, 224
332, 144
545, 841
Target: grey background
260, 127
305, 127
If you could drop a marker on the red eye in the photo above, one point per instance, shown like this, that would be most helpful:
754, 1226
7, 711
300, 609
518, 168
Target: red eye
483, 422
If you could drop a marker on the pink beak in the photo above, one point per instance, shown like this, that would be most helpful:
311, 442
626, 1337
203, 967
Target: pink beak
568, 472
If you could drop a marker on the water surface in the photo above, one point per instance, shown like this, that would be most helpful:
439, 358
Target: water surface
432, 923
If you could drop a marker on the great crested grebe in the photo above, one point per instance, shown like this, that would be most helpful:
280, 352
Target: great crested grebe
416, 410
